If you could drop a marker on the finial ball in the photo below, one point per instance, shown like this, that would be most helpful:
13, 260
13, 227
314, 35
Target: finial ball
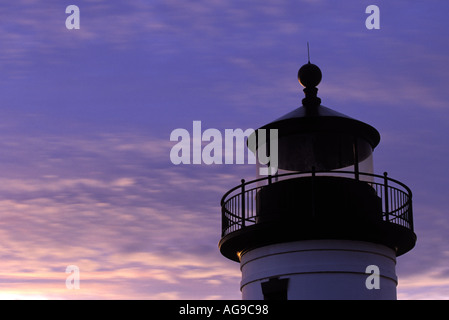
309, 75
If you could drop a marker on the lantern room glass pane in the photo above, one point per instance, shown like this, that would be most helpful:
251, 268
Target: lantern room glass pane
323, 151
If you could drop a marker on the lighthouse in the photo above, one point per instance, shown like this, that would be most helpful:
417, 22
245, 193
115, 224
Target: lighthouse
321, 225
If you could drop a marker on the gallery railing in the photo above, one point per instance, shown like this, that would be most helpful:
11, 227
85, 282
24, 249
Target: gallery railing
239, 204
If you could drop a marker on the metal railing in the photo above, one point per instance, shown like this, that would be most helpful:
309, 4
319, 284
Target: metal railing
239, 207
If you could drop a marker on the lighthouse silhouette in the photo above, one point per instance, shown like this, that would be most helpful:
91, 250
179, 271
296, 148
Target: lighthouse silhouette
322, 225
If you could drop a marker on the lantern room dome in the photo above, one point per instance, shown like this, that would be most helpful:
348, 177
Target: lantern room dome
315, 136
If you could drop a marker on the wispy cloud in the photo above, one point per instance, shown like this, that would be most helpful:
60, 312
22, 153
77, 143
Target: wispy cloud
114, 204
122, 231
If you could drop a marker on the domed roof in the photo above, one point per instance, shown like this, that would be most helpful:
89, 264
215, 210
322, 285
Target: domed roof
313, 117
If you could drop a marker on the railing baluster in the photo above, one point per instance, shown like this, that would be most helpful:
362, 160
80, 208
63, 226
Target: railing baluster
386, 196
243, 203
252, 203
313, 191
247, 212
234, 205
396, 201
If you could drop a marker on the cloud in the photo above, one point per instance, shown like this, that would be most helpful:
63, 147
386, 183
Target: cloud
127, 230
137, 225
114, 204
427, 285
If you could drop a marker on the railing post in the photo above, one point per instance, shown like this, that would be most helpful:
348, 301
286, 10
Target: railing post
224, 221
356, 159
243, 203
387, 207
313, 191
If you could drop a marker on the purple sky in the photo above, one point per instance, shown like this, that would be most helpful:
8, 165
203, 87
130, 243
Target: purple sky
86, 117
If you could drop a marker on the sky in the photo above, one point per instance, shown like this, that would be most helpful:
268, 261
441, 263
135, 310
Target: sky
86, 116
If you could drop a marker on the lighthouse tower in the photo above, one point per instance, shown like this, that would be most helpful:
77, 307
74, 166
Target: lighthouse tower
324, 225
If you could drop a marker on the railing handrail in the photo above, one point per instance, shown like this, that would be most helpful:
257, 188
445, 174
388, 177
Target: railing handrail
245, 183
